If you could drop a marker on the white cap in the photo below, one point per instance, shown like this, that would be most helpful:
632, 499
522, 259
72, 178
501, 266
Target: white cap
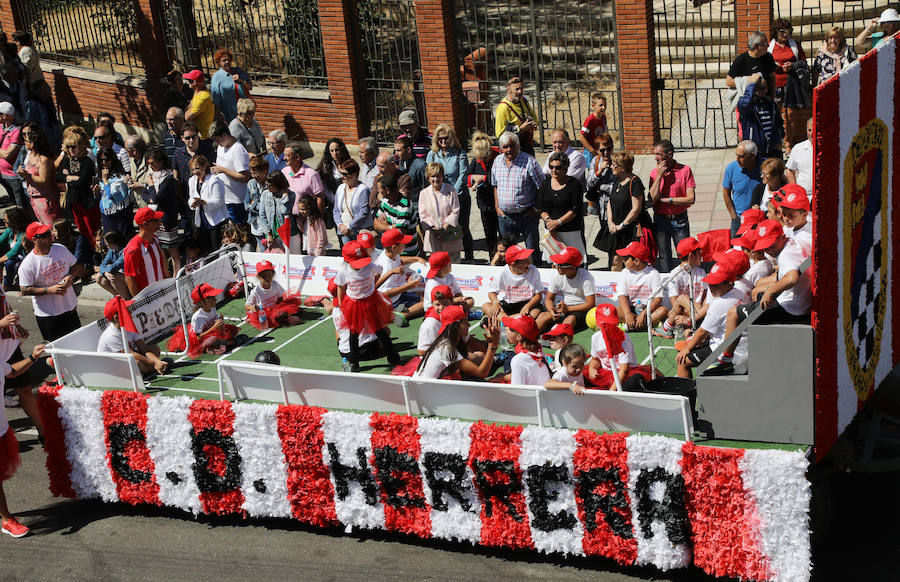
7, 108
889, 15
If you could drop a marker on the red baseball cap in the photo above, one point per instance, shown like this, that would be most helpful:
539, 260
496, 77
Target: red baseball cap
748, 241
737, 261
437, 261
36, 228
193, 75
516, 253
768, 232
394, 236
264, 266
451, 314
558, 330
111, 308
606, 313
202, 291
525, 325
794, 196
721, 273
569, 256
444, 290
636, 249
146, 213
355, 255
686, 246
366, 240
750, 218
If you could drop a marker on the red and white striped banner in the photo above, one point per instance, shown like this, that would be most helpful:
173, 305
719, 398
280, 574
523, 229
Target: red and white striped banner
856, 267
636, 499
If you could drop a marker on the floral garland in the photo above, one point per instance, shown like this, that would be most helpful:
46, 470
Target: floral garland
636, 499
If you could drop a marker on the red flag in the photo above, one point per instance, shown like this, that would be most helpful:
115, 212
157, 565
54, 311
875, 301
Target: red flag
613, 337
119, 306
284, 231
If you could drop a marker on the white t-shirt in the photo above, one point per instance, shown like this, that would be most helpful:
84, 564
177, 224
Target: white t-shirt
744, 286
514, 288
798, 299
449, 280
802, 234
344, 334
386, 263
683, 281
46, 271
428, 332
360, 283
639, 285
438, 361
801, 163
265, 297
612, 363
758, 270
767, 195
576, 290
526, 370
563, 376
202, 320
111, 339
716, 318
236, 158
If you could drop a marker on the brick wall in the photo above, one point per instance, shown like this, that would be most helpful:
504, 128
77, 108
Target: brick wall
752, 15
637, 74
440, 67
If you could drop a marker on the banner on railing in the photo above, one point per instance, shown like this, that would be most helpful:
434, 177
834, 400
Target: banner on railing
636, 499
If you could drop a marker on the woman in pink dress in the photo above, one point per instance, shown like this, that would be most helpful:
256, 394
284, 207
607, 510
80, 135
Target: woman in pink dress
39, 175
439, 214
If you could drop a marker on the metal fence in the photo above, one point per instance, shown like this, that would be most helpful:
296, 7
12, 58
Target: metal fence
563, 51
275, 42
811, 19
393, 73
96, 34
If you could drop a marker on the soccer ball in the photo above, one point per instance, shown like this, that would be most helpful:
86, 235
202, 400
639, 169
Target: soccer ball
267, 357
591, 318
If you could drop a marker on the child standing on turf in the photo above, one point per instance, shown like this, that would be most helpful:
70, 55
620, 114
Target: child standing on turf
9, 446
368, 346
268, 306
528, 365
613, 352
639, 282
690, 276
207, 333
521, 286
439, 274
575, 285
570, 375
363, 307
398, 288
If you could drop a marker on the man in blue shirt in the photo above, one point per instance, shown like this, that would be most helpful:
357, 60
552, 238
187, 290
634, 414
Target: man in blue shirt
741, 178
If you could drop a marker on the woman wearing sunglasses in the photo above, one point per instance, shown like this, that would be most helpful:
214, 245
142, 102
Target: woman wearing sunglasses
39, 175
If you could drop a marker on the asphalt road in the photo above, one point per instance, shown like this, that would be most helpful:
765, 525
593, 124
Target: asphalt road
90, 540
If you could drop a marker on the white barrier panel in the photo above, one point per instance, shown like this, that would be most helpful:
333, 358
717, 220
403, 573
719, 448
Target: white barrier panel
91, 368
595, 410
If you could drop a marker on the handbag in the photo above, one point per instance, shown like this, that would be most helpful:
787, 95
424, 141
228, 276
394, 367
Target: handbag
454, 233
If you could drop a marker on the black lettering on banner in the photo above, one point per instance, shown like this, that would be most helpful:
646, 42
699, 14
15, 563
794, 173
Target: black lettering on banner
343, 474
159, 318
496, 488
209, 481
539, 476
453, 469
141, 319
607, 505
394, 469
670, 510
120, 435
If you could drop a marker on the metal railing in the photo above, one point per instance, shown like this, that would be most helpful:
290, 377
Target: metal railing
563, 51
812, 19
276, 43
95, 34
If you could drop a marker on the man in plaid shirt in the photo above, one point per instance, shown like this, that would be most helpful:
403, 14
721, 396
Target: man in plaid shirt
517, 178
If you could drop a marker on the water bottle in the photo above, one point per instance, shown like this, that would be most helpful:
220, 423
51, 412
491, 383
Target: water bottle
504, 341
638, 307
263, 320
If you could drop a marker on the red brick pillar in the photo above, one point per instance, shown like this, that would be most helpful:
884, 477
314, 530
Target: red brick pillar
339, 25
440, 67
752, 15
637, 74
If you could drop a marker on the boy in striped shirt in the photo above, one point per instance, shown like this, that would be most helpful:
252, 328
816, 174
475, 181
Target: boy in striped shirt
396, 211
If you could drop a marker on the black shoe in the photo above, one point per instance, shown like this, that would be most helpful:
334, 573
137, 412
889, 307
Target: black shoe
394, 362
354, 366
719, 369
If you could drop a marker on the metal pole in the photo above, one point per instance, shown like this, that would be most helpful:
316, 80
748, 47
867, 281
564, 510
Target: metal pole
535, 53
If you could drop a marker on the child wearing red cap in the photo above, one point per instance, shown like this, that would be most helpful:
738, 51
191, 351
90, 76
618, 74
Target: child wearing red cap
399, 288
448, 353
520, 284
570, 374
576, 285
368, 343
559, 336
441, 297
364, 308
638, 283
613, 351
760, 266
147, 355
439, 274
268, 306
528, 366
794, 211
690, 276
207, 333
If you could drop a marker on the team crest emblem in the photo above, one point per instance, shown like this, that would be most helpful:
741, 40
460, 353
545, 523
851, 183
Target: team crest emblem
865, 233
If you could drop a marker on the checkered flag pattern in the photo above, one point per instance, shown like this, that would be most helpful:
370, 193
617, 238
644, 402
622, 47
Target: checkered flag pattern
869, 294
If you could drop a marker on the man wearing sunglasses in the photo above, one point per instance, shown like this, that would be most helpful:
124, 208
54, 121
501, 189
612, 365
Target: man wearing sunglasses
47, 274
103, 138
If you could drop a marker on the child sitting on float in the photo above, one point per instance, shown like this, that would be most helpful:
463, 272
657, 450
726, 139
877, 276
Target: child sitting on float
207, 333
268, 306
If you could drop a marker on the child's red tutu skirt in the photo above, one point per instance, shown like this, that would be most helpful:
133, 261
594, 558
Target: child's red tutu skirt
367, 315
290, 304
197, 347
9, 455
603, 378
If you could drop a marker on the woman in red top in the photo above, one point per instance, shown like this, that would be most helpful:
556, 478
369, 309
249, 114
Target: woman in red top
786, 51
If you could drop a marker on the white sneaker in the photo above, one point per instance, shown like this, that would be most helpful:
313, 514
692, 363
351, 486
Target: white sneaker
10, 402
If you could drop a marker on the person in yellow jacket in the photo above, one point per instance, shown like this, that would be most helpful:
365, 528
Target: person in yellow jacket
515, 114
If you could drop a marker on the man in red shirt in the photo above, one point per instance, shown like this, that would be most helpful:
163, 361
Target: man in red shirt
672, 191
144, 262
